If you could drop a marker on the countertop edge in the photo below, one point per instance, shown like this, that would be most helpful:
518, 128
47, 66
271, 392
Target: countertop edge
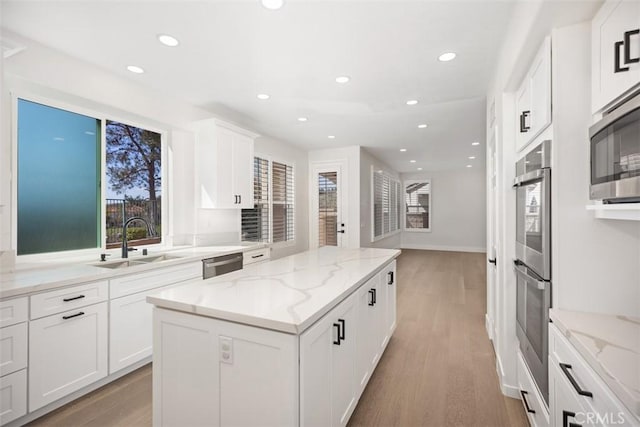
619, 390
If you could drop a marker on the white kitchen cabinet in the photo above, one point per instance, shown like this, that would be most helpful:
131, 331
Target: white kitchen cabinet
615, 53
65, 299
576, 388
255, 256
217, 373
328, 392
13, 396
224, 159
13, 348
67, 351
533, 98
134, 283
368, 348
532, 401
14, 311
388, 282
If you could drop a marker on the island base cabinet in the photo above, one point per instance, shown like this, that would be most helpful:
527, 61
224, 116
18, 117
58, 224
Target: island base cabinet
67, 352
217, 373
368, 348
328, 367
13, 396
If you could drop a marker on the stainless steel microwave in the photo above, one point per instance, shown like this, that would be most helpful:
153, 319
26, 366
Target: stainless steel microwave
615, 155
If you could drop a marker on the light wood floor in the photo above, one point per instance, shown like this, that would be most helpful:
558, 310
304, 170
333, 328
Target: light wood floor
438, 370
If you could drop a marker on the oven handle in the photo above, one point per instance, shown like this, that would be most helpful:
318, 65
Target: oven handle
534, 175
518, 266
210, 264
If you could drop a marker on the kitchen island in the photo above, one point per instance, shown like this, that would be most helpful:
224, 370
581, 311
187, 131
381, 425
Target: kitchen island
288, 342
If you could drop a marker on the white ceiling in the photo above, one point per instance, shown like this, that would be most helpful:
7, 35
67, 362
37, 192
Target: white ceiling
232, 50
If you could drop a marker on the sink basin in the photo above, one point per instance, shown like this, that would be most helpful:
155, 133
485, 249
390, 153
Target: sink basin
156, 258
118, 264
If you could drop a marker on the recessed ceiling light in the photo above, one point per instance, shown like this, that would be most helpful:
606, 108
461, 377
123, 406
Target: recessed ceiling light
472, 157
168, 40
135, 69
302, 119
539, 152
273, 4
263, 96
58, 138
422, 126
412, 161
448, 56
419, 169
331, 137
468, 166
403, 149
475, 143
88, 132
343, 79
412, 102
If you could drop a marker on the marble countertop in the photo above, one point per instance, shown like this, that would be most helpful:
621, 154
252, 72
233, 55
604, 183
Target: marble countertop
610, 345
287, 295
58, 273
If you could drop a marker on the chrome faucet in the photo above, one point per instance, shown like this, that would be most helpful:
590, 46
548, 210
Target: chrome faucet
125, 247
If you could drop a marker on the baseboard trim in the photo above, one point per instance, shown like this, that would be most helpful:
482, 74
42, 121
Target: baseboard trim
444, 248
488, 324
506, 389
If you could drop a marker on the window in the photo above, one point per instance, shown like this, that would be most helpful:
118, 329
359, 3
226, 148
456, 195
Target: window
272, 218
386, 212
418, 205
59, 181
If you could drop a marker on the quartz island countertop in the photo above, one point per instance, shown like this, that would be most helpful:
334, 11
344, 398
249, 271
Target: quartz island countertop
610, 345
287, 295
62, 272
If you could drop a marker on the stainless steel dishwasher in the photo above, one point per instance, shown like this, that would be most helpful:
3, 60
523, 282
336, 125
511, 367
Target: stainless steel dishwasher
218, 265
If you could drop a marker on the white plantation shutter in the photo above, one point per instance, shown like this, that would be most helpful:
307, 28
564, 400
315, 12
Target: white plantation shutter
386, 204
283, 202
255, 222
393, 213
378, 183
399, 203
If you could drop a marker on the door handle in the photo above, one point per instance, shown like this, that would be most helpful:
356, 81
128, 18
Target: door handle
340, 231
526, 403
390, 275
71, 316
565, 419
240, 199
616, 58
525, 114
493, 261
73, 298
342, 329
337, 340
565, 368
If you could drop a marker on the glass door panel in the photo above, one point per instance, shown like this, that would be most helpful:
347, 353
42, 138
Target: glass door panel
328, 208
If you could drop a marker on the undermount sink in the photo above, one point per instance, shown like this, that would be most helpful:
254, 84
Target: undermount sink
125, 263
119, 264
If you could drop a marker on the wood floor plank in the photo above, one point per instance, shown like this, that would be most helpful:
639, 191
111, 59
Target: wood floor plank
438, 369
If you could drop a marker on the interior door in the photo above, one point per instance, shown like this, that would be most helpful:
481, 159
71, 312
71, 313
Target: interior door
328, 219
492, 237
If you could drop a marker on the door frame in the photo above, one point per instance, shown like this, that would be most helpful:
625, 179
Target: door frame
492, 233
315, 168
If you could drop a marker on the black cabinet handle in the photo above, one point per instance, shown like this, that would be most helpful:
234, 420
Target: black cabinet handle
565, 368
73, 315
340, 231
522, 130
372, 299
390, 281
525, 114
73, 298
257, 256
616, 58
240, 199
342, 329
565, 419
375, 296
337, 341
526, 404
627, 47
493, 261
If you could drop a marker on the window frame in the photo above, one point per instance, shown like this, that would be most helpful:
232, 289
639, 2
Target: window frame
270, 160
99, 113
390, 180
404, 203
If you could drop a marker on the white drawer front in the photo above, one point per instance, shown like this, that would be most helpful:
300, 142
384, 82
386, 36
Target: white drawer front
602, 402
13, 311
536, 411
258, 255
13, 348
13, 396
135, 283
48, 303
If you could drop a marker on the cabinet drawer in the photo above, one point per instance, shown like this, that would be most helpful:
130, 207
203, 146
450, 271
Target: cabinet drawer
13, 396
534, 407
13, 311
13, 348
54, 302
603, 402
135, 283
258, 255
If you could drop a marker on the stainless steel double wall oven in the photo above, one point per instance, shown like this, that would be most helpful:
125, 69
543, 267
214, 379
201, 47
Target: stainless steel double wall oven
533, 260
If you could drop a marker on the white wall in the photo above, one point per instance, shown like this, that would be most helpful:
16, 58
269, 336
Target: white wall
368, 162
351, 157
457, 212
289, 154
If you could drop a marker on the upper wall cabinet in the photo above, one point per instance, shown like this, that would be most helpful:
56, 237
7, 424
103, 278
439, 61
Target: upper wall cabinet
533, 98
224, 159
615, 55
